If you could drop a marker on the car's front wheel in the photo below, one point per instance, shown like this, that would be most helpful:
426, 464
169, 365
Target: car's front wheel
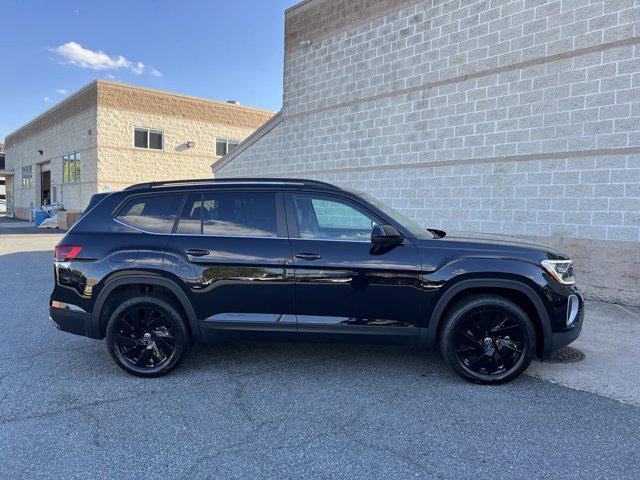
487, 339
147, 335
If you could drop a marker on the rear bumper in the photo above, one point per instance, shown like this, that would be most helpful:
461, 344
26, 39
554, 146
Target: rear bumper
78, 323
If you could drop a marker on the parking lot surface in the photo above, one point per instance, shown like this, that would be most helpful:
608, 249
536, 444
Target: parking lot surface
298, 410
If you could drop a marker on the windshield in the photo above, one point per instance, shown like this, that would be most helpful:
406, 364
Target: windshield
417, 230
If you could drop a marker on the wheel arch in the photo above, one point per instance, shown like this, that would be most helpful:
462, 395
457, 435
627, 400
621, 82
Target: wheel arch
98, 323
504, 287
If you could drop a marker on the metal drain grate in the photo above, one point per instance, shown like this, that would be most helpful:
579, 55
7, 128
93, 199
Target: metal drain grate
566, 355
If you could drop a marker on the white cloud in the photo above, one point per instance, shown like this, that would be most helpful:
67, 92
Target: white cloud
156, 73
76, 12
138, 68
46, 99
75, 54
62, 91
111, 76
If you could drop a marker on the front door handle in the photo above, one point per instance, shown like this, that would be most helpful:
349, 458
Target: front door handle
197, 252
308, 256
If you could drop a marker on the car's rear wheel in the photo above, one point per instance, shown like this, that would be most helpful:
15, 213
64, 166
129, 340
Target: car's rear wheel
147, 336
488, 339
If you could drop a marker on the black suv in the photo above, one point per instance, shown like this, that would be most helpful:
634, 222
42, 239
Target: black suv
159, 266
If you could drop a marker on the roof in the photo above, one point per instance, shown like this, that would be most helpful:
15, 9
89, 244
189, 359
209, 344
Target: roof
297, 5
180, 95
104, 92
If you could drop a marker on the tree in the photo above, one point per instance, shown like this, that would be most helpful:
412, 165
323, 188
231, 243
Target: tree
1, 147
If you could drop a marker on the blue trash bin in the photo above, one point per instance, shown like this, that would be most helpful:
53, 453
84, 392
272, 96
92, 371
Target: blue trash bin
40, 217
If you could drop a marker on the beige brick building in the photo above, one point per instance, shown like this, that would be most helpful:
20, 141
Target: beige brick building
108, 136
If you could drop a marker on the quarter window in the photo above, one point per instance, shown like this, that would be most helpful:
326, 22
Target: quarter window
154, 213
225, 146
146, 138
27, 176
330, 218
71, 167
245, 214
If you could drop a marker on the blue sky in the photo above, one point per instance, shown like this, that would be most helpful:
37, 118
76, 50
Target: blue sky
214, 49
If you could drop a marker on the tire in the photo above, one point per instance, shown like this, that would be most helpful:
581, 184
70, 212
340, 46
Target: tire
494, 359
147, 335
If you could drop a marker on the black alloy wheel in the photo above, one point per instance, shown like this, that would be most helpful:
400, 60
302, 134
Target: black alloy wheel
488, 339
147, 336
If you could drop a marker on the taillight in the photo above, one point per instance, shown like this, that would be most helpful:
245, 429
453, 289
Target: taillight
62, 253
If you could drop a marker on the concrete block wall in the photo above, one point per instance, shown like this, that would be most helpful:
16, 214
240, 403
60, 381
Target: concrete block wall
495, 116
67, 136
121, 165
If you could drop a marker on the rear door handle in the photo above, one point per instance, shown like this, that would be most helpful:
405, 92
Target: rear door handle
308, 256
197, 252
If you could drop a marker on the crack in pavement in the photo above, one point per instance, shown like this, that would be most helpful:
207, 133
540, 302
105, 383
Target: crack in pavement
45, 352
4, 420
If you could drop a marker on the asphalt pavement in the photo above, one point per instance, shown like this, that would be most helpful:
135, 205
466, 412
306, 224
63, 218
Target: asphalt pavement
296, 410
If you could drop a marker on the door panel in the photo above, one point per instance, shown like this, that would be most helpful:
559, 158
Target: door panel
347, 286
237, 283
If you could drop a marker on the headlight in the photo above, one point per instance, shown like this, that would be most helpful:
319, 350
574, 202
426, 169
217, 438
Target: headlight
561, 270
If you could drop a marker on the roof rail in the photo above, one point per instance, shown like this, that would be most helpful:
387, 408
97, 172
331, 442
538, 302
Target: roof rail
214, 181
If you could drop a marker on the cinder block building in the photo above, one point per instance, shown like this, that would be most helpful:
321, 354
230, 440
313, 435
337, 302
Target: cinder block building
108, 136
3, 195
487, 116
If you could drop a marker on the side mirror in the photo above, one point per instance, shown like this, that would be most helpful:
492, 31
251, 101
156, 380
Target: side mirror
386, 236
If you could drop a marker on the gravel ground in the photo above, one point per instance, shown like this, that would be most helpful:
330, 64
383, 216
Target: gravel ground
274, 410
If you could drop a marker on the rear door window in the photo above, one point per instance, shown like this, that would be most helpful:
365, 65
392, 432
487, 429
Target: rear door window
236, 214
152, 213
191, 218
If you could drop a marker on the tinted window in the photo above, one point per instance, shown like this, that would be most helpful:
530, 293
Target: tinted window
154, 213
221, 147
145, 138
141, 138
225, 146
191, 218
247, 214
155, 140
329, 218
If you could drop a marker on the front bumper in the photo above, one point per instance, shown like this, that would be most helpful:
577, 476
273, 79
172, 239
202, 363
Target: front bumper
564, 338
78, 323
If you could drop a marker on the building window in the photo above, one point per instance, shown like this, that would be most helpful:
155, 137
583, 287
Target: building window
27, 176
146, 138
71, 168
225, 146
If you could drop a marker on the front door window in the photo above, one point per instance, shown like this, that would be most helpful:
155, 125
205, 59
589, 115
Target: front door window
323, 217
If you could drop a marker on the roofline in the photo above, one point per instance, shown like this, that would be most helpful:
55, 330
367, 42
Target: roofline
52, 109
297, 5
99, 81
249, 141
180, 95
